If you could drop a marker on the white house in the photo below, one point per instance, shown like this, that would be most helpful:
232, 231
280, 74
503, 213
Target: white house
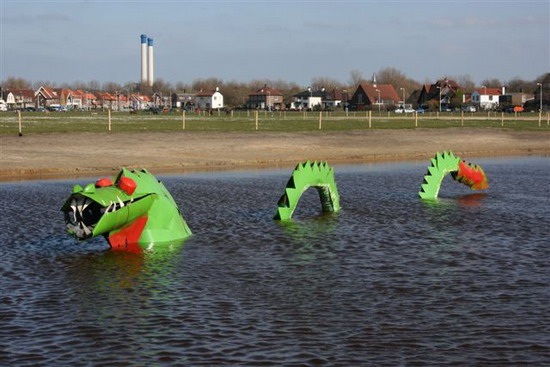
307, 99
209, 99
486, 98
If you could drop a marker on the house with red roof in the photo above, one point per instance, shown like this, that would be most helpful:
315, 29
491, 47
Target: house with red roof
140, 102
106, 100
374, 96
486, 98
20, 98
47, 97
265, 98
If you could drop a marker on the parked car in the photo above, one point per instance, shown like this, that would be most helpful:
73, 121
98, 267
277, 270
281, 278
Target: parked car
404, 110
154, 110
420, 110
469, 109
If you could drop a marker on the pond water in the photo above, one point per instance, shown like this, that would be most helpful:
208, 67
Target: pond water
390, 280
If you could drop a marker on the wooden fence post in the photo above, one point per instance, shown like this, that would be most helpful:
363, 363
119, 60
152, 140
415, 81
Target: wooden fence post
502, 119
256, 119
462, 118
183, 120
109, 118
415, 119
370, 119
19, 122
320, 119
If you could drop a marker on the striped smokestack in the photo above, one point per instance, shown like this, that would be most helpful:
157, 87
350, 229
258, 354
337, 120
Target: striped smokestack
151, 65
143, 59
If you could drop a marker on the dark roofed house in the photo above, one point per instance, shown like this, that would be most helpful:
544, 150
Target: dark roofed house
431, 92
368, 95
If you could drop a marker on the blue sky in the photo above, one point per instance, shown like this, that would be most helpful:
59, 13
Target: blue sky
66, 41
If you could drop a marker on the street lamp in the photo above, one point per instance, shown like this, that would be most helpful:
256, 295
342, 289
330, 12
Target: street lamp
439, 87
403, 89
378, 101
540, 96
310, 97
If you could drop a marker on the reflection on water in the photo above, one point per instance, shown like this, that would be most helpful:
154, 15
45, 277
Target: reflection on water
389, 280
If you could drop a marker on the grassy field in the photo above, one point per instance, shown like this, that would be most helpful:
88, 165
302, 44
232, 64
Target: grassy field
64, 122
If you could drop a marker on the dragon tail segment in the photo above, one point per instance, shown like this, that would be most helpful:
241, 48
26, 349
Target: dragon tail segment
309, 174
471, 175
461, 171
442, 164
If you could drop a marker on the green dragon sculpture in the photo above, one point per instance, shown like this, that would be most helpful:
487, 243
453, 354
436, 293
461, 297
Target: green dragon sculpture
309, 174
461, 171
133, 213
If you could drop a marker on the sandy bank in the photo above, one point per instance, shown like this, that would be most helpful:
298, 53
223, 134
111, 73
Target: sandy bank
68, 155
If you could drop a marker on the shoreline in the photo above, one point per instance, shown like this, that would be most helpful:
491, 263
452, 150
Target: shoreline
75, 155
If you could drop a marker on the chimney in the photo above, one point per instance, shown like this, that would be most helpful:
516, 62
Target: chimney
151, 64
143, 59
503, 90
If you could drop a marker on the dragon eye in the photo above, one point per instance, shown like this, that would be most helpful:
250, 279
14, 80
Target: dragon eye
103, 182
127, 185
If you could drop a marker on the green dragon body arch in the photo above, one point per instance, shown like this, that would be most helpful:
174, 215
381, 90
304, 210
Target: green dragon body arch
461, 171
309, 174
134, 212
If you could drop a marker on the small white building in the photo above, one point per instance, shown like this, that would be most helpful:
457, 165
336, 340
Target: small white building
307, 99
486, 98
209, 99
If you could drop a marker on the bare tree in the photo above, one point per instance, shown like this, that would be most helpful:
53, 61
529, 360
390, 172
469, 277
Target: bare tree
492, 83
356, 78
465, 82
16, 83
207, 84
318, 83
398, 79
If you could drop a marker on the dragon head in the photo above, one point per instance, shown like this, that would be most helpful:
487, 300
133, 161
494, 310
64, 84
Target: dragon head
105, 206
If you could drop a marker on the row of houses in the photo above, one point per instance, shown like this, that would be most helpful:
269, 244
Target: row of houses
442, 94
50, 98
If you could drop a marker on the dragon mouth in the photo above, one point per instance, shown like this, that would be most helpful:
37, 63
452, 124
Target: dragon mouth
83, 214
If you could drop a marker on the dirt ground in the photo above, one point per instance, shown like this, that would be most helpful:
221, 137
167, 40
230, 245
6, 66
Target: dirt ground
83, 154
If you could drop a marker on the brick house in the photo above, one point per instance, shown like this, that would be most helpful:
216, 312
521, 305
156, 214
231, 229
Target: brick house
265, 98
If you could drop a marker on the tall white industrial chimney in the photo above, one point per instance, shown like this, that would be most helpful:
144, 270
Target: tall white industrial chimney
151, 64
143, 59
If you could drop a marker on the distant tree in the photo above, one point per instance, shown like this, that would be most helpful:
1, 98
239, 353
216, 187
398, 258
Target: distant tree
181, 86
16, 83
520, 85
457, 99
161, 86
93, 86
492, 83
328, 83
465, 82
235, 93
207, 84
356, 78
398, 79
111, 87
39, 83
